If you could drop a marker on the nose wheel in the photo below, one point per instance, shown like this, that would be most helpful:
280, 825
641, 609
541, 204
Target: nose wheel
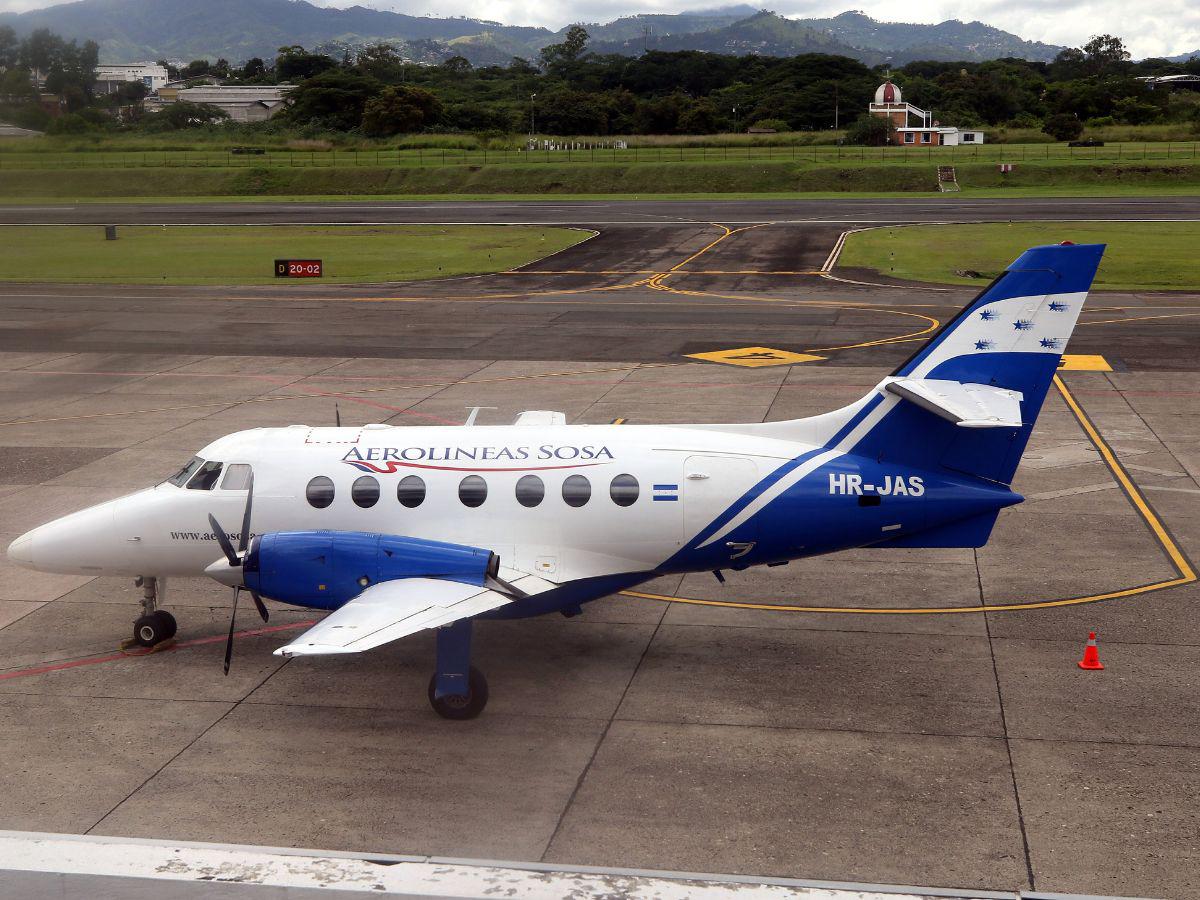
154, 628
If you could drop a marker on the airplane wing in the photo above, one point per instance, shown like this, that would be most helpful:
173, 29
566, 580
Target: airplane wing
391, 610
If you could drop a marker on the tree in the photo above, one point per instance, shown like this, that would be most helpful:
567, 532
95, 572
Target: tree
294, 63
197, 68
185, 114
458, 65
254, 68
39, 51
1063, 127
380, 61
10, 47
1104, 53
559, 59
870, 131
334, 100
400, 109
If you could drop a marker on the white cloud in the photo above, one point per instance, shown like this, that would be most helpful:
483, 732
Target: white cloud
1165, 28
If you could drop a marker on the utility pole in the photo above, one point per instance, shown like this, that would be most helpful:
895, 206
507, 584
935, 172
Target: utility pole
735, 121
532, 97
836, 109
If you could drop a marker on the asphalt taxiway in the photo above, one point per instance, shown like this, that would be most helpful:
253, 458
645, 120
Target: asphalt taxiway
914, 716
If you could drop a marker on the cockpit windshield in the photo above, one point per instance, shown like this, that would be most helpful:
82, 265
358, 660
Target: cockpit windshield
197, 475
180, 478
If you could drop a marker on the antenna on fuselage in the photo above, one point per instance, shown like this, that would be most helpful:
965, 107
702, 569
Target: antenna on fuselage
337, 415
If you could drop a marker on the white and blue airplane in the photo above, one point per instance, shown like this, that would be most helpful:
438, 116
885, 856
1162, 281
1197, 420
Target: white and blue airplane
395, 530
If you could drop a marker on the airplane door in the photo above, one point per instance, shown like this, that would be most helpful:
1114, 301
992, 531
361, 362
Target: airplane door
711, 485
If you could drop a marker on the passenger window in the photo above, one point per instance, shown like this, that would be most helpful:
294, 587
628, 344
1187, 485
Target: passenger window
472, 491
530, 490
180, 478
206, 478
411, 491
576, 490
624, 490
319, 492
365, 492
237, 478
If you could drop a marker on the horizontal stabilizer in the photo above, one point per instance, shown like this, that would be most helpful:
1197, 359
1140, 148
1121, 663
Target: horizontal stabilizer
966, 405
541, 417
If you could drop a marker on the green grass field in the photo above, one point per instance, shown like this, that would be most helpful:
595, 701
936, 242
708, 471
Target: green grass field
1141, 256
245, 255
717, 178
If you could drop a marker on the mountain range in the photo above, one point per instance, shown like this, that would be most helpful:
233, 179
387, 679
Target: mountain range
134, 30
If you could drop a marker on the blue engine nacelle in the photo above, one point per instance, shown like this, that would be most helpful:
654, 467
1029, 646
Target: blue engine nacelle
324, 569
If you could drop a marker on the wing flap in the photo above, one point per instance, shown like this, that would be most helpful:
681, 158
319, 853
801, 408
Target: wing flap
391, 610
966, 405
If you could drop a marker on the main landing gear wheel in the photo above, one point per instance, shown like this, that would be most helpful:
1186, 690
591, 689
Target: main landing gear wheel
461, 706
154, 628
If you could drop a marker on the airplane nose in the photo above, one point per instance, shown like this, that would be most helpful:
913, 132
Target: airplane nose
20, 551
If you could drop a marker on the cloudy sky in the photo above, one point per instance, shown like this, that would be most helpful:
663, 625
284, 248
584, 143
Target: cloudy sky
1155, 28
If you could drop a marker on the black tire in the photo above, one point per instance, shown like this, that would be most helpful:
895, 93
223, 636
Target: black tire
149, 630
169, 625
460, 706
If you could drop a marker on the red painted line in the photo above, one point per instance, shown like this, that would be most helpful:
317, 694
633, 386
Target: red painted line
147, 651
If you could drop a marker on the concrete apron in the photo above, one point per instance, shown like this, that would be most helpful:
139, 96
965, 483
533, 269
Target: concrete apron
65, 865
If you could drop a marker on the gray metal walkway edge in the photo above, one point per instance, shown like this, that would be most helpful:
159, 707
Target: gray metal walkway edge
60, 865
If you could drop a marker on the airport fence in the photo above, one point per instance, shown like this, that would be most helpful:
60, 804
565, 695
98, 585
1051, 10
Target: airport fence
579, 152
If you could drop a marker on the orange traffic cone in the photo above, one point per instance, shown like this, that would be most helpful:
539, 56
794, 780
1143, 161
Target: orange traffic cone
1091, 655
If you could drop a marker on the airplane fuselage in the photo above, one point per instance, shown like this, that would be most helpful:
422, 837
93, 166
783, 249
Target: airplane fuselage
602, 505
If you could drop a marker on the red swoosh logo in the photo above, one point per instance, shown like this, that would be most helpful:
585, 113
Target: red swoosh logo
392, 466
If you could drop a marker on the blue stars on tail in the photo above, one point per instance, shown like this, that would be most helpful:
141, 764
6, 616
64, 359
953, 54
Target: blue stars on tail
1022, 324
987, 315
1051, 343
1058, 306
984, 345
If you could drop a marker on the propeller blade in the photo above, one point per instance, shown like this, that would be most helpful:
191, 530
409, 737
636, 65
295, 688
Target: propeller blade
232, 622
244, 540
223, 540
262, 607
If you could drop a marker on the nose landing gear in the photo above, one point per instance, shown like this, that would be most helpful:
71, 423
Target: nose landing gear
154, 625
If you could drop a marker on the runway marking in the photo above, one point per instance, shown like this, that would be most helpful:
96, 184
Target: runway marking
1185, 571
1140, 318
46, 668
754, 357
349, 395
1077, 362
656, 272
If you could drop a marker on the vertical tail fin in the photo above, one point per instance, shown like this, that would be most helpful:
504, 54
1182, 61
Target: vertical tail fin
1011, 337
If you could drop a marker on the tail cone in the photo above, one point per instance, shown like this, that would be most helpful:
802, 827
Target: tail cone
1091, 654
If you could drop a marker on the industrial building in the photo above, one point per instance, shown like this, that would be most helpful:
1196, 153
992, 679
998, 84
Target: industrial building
243, 104
110, 78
